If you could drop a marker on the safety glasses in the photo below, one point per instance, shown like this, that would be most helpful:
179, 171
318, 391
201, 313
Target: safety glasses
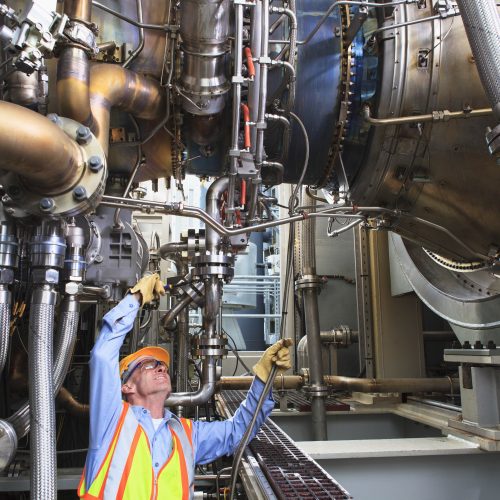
146, 364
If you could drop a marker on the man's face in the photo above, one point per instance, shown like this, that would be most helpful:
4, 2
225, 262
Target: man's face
147, 380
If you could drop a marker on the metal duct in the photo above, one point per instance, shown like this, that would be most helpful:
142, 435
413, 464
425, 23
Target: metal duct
43, 472
482, 25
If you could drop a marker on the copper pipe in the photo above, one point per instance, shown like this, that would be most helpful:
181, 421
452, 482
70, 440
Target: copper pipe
71, 405
444, 384
113, 86
38, 150
244, 382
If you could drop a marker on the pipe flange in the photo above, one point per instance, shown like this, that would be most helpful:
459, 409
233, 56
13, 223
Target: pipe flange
221, 272
316, 391
309, 281
208, 265
23, 200
204, 341
205, 353
196, 242
8, 444
193, 290
208, 259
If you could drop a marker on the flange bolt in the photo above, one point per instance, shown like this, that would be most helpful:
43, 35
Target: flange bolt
47, 204
83, 135
95, 163
79, 193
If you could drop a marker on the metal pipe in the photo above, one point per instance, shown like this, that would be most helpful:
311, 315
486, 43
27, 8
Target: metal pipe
444, 385
311, 321
482, 24
214, 193
176, 310
203, 394
43, 472
242, 383
254, 86
23, 134
435, 116
71, 405
290, 382
237, 81
169, 251
133, 22
140, 46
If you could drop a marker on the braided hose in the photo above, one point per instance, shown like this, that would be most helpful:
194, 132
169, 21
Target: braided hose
66, 338
5, 298
43, 473
482, 25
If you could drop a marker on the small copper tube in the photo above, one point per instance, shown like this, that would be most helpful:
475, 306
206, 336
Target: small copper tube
38, 150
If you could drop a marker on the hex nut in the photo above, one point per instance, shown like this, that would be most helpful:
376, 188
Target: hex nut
79, 193
6, 276
47, 204
42, 276
95, 163
83, 135
54, 118
72, 288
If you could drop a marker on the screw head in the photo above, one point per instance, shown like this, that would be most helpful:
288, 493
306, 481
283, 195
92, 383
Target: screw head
83, 135
95, 163
47, 204
54, 118
79, 193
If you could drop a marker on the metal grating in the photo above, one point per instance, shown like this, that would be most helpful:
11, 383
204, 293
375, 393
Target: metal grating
291, 473
300, 402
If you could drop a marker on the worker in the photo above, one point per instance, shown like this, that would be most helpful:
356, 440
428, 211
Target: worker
138, 449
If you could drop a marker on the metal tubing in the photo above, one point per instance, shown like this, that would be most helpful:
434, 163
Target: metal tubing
237, 80
203, 394
435, 116
43, 472
253, 87
5, 298
444, 385
482, 24
176, 310
214, 193
23, 135
140, 46
289, 382
170, 251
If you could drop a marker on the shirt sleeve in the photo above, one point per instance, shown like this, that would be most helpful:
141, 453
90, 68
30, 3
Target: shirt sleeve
105, 384
212, 440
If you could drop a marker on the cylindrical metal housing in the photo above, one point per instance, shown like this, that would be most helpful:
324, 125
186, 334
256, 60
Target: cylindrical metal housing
48, 246
8, 245
205, 32
75, 264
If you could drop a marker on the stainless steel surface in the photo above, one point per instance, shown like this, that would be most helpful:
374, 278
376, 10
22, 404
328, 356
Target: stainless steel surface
205, 32
43, 476
5, 308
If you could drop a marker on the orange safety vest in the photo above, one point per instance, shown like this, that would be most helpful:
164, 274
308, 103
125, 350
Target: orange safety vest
127, 469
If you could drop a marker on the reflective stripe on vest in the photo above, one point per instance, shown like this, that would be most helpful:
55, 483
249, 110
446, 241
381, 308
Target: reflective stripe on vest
127, 470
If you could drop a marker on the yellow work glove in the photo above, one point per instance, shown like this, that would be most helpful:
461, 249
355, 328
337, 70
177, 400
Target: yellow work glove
278, 354
150, 287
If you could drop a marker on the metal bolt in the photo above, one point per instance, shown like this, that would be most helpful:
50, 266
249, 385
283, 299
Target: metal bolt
95, 163
54, 119
83, 135
79, 193
47, 204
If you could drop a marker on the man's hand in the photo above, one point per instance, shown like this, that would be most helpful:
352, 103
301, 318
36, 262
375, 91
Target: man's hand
150, 287
277, 354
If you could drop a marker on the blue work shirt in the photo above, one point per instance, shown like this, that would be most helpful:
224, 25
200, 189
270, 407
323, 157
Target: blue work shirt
211, 440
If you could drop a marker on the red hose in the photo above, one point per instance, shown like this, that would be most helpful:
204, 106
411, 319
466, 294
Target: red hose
250, 66
243, 197
246, 119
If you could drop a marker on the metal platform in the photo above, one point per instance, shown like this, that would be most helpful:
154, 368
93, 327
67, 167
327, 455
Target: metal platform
290, 472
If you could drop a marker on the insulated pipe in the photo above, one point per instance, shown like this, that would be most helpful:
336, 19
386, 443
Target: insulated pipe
43, 472
24, 134
482, 24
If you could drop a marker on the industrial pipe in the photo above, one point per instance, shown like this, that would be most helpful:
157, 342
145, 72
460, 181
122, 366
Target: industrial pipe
43, 472
5, 298
214, 194
24, 134
399, 385
311, 321
71, 405
172, 313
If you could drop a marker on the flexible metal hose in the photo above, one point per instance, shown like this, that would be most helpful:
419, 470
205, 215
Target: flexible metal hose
482, 25
66, 337
43, 473
5, 297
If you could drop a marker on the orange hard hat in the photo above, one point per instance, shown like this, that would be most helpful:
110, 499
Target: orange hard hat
146, 352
